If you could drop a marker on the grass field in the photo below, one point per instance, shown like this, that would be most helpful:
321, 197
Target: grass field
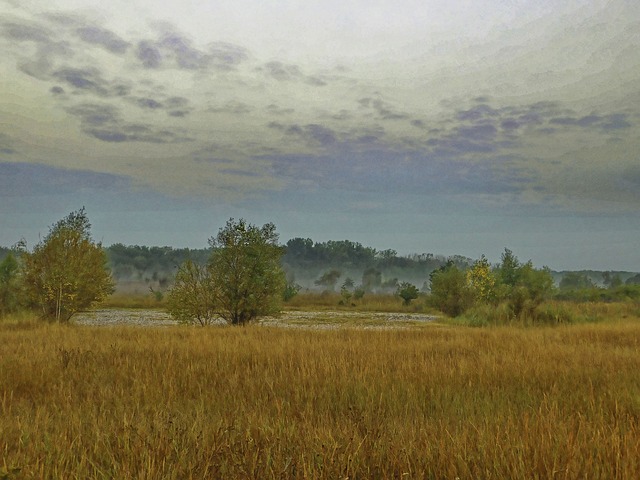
434, 401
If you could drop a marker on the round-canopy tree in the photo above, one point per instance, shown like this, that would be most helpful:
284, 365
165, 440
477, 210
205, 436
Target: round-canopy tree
242, 281
246, 270
67, 271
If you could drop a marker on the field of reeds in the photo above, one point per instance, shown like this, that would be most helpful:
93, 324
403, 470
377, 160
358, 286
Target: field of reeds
432, 401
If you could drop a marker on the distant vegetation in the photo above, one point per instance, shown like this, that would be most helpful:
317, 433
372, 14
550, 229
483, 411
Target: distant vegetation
427, 399
147, 276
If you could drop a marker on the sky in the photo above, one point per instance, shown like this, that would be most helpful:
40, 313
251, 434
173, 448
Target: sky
425, 126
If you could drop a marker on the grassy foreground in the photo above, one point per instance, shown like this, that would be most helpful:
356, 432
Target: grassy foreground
259, 402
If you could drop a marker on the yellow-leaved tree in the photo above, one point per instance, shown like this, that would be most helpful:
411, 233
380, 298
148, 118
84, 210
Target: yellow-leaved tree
67, 271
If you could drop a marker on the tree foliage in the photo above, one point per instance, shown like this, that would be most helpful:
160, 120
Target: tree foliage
407, 292
10, 288
450, 292
482, 281
576, 281
245, 269
243, 279
519, 287
193, 296
329, 279
67, 271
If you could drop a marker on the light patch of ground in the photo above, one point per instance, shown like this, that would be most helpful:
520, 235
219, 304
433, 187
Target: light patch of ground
321, 320
113, 317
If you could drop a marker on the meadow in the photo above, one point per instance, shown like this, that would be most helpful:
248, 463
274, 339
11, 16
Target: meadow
434, 400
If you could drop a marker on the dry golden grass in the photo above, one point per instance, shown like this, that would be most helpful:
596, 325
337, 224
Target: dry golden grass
259, 402
371, 302
133, 300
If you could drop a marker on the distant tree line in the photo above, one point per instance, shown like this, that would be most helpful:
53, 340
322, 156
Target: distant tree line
327, 265
135, 262
245, 273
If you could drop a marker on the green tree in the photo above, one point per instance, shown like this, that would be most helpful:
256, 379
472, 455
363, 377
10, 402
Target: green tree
576, 281
533, 286
450, 292
611, 280
507, 271
67, 271
291, 289
245, 271
329, 279
371, 279
192, 299
521, 285
407, 292
358, 292
635, 280
347, 290
9, 285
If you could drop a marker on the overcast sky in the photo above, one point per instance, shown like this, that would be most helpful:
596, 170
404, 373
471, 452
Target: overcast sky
436, 126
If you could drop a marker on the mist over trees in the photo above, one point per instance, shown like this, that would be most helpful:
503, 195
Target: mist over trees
454, 284
312, 265
316, 265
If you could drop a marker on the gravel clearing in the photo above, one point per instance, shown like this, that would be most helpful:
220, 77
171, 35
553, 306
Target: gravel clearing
136, 317
320, 320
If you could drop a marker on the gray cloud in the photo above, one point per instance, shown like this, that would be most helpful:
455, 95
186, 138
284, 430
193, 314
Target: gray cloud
178, 113
384, 170
104, 122
173, 106
226, 56
104, 38
382, 110
149, 103
92, 114
176, 102
315, 80
284, 72
6, 147
177, 106
90, 80
485, 129
235, 107
477, 112
20, 33
25, 32
18, 179
312, 134
614, 121
174, 50
241, 173
185, 55
149, 54
276, 110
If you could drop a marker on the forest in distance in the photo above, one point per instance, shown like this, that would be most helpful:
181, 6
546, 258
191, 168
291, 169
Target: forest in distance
319, 266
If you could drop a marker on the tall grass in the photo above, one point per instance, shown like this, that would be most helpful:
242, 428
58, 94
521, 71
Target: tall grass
257, 402
550, 313
371, 302
134, 300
